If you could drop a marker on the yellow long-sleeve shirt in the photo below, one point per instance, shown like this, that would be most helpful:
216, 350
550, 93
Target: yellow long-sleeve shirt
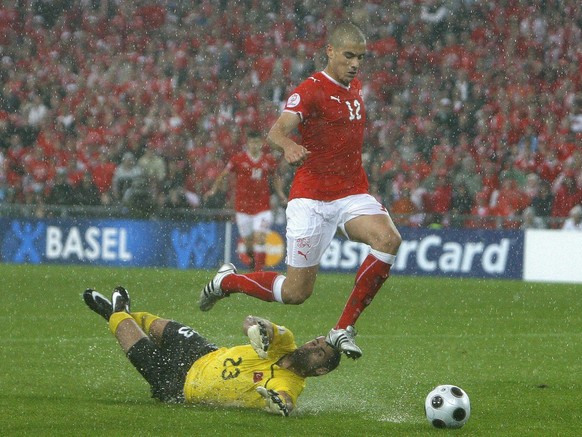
230, 376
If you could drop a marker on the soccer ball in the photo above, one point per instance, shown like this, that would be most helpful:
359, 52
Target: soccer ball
447, 406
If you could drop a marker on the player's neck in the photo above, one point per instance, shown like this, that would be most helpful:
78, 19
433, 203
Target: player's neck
255, 156
329, 73
286, 362
334, 79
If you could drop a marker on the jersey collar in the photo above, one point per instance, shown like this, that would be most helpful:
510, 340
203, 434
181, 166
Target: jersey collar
335, 81
252, 158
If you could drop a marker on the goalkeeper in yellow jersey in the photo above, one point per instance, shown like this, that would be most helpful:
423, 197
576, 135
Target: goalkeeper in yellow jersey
182, 366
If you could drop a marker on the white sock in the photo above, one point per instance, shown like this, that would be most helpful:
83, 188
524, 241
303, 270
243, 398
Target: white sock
278, 288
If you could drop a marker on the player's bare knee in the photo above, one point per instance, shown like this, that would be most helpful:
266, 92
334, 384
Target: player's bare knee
296, 297
395, 239
387, 242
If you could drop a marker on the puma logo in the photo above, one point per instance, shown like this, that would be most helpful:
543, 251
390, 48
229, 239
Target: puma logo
337, 99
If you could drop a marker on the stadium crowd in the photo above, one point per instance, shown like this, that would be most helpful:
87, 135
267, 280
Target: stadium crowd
474, 106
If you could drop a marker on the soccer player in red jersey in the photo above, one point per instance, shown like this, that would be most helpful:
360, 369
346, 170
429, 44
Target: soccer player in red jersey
329, 192
255, 172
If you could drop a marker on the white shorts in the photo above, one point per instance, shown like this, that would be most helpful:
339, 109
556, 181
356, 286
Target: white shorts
249, 223
312, 224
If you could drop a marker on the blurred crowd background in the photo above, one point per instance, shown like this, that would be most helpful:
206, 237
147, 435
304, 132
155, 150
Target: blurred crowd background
474, 107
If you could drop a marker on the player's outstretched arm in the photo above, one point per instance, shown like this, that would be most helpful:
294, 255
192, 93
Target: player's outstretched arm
278, 138
217, 182
276, 402
278, 188
260, 332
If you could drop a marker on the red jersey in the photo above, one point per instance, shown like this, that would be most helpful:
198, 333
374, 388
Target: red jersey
253, 191
332, 129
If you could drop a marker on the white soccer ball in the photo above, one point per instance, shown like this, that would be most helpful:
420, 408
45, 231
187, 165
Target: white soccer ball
447, 406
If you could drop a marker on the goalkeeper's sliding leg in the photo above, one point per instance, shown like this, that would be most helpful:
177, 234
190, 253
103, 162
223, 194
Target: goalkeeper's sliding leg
161, 350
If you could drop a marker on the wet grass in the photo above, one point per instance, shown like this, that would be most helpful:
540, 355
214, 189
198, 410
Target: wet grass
515, 347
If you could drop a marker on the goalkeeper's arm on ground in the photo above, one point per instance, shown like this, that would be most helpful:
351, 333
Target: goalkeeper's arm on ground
260, 332
276, 402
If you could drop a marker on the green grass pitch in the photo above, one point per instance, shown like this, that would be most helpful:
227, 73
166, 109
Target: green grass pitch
515, 347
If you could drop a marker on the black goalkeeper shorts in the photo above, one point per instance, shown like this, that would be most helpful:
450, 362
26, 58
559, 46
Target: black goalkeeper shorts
165, 367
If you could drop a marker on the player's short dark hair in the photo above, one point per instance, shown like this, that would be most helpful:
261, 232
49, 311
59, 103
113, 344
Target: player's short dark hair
308, 367
345, 32
330, 363
333, 360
